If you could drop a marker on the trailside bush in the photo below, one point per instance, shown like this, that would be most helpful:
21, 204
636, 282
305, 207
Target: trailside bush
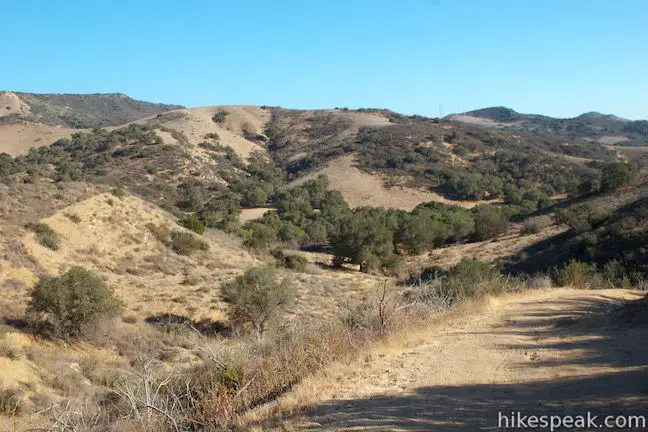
576, 274
256, 297
71, 303
470, 279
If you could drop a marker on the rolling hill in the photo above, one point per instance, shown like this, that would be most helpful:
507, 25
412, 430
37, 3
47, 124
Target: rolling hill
593, 126
30, 120
76, 110
408, 160
354, 210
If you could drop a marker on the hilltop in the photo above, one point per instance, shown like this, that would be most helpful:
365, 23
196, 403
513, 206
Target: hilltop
32, 120
79, 111
594, 126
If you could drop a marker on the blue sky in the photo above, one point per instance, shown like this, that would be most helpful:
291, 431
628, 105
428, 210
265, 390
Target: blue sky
558, 58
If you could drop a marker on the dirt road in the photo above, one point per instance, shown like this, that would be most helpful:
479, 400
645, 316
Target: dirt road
552, 352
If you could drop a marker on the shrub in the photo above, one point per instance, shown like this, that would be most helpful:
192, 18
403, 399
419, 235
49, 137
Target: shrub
219, 117
8, 351
366, 238
531, 227
184, 243
192, 223
119, 192
295, 262
45, 234
581, 217
256, 297
575, 274
73, 302
615, 175
470, 279
490, 222
73, 217
222, 213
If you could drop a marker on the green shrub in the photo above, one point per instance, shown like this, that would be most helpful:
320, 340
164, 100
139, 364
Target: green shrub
192, 223
366, 238
184, 243
576, 274
470, 279
212, 136
222, 213
256, 297
119, 192
45, 234
260, 236
295, 262
71, 303
490, 221
581, 217
219, 117
616, 275
616, 175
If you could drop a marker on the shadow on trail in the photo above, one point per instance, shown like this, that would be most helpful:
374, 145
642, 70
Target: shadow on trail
587, 332
477, 406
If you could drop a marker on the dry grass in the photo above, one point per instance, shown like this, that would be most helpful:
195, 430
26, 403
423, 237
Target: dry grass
363, 189
195, 123
410, 328
507, 245
17, 138
113, 240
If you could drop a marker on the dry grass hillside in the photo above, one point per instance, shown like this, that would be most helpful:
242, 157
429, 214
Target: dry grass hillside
171, 211
591, 126
34, 120
361, 188
241, 128
111, 236
17, 138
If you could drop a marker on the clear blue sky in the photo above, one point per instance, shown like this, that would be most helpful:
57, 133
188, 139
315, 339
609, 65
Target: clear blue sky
559, 58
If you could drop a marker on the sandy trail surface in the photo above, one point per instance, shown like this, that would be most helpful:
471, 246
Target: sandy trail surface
546, 352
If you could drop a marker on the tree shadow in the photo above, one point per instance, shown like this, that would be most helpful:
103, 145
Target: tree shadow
589, 334
478, 406
205, 327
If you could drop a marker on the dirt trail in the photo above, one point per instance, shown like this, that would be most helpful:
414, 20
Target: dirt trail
548, 352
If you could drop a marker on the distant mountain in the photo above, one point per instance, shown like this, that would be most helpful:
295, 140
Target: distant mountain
76, 110
593, 126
